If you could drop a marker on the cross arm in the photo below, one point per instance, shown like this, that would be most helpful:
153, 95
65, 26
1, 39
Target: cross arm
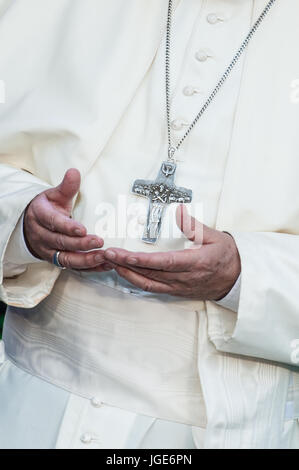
142, 187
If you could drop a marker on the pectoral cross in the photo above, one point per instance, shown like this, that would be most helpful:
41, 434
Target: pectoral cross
160, 193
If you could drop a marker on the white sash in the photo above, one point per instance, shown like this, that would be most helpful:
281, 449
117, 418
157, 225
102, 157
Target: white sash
136, 353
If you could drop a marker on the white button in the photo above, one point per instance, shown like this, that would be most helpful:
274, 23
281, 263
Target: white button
96, 402
190, 90
212, 18
142, 219
202, 55
86, 438
178, 124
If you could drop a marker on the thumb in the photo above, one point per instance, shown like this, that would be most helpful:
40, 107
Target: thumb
64, 193
194, 230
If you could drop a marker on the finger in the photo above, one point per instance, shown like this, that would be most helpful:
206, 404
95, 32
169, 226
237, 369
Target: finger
194, 230
99, 269
162, 276
61, 242
172, 261
55, 221
142, 282
80, 261
64, 193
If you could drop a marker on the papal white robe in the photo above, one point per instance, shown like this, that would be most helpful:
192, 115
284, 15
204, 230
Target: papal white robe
85, 88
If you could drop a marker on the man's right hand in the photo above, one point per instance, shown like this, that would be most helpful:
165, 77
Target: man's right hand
48, 227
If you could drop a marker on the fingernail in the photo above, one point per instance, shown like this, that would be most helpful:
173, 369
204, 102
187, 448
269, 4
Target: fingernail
132, 261
110, 254
99, 259
95, 244
79, 232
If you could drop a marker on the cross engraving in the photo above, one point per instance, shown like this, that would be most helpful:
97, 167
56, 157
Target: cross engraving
160, 193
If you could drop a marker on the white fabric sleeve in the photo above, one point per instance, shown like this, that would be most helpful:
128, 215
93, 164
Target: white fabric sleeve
267, 323
17, 255
232, 299
29, 283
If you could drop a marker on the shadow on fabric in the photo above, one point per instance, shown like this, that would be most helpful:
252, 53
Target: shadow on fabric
2, 313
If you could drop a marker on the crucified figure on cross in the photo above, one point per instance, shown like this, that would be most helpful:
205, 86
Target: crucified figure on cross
160, 193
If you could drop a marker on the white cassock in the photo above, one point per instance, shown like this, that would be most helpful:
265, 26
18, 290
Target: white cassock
90, 360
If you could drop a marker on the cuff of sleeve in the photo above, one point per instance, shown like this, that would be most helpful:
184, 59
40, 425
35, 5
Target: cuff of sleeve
267, 317
234, 333
232, 299
26, 287
17, 252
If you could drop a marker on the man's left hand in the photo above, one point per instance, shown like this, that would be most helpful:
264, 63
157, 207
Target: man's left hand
206, 271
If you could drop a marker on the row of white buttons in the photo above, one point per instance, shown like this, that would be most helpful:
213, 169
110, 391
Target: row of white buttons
86, 437
202, 56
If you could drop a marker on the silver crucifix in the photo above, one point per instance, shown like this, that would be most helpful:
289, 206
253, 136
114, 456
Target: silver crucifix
160, 193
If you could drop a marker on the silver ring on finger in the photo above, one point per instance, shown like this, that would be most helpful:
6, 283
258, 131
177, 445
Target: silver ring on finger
55, 260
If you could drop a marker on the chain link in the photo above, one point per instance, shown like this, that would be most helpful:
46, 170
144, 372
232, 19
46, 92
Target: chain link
172, 149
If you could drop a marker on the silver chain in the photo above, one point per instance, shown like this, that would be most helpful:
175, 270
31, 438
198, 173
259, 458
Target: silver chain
172, 149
